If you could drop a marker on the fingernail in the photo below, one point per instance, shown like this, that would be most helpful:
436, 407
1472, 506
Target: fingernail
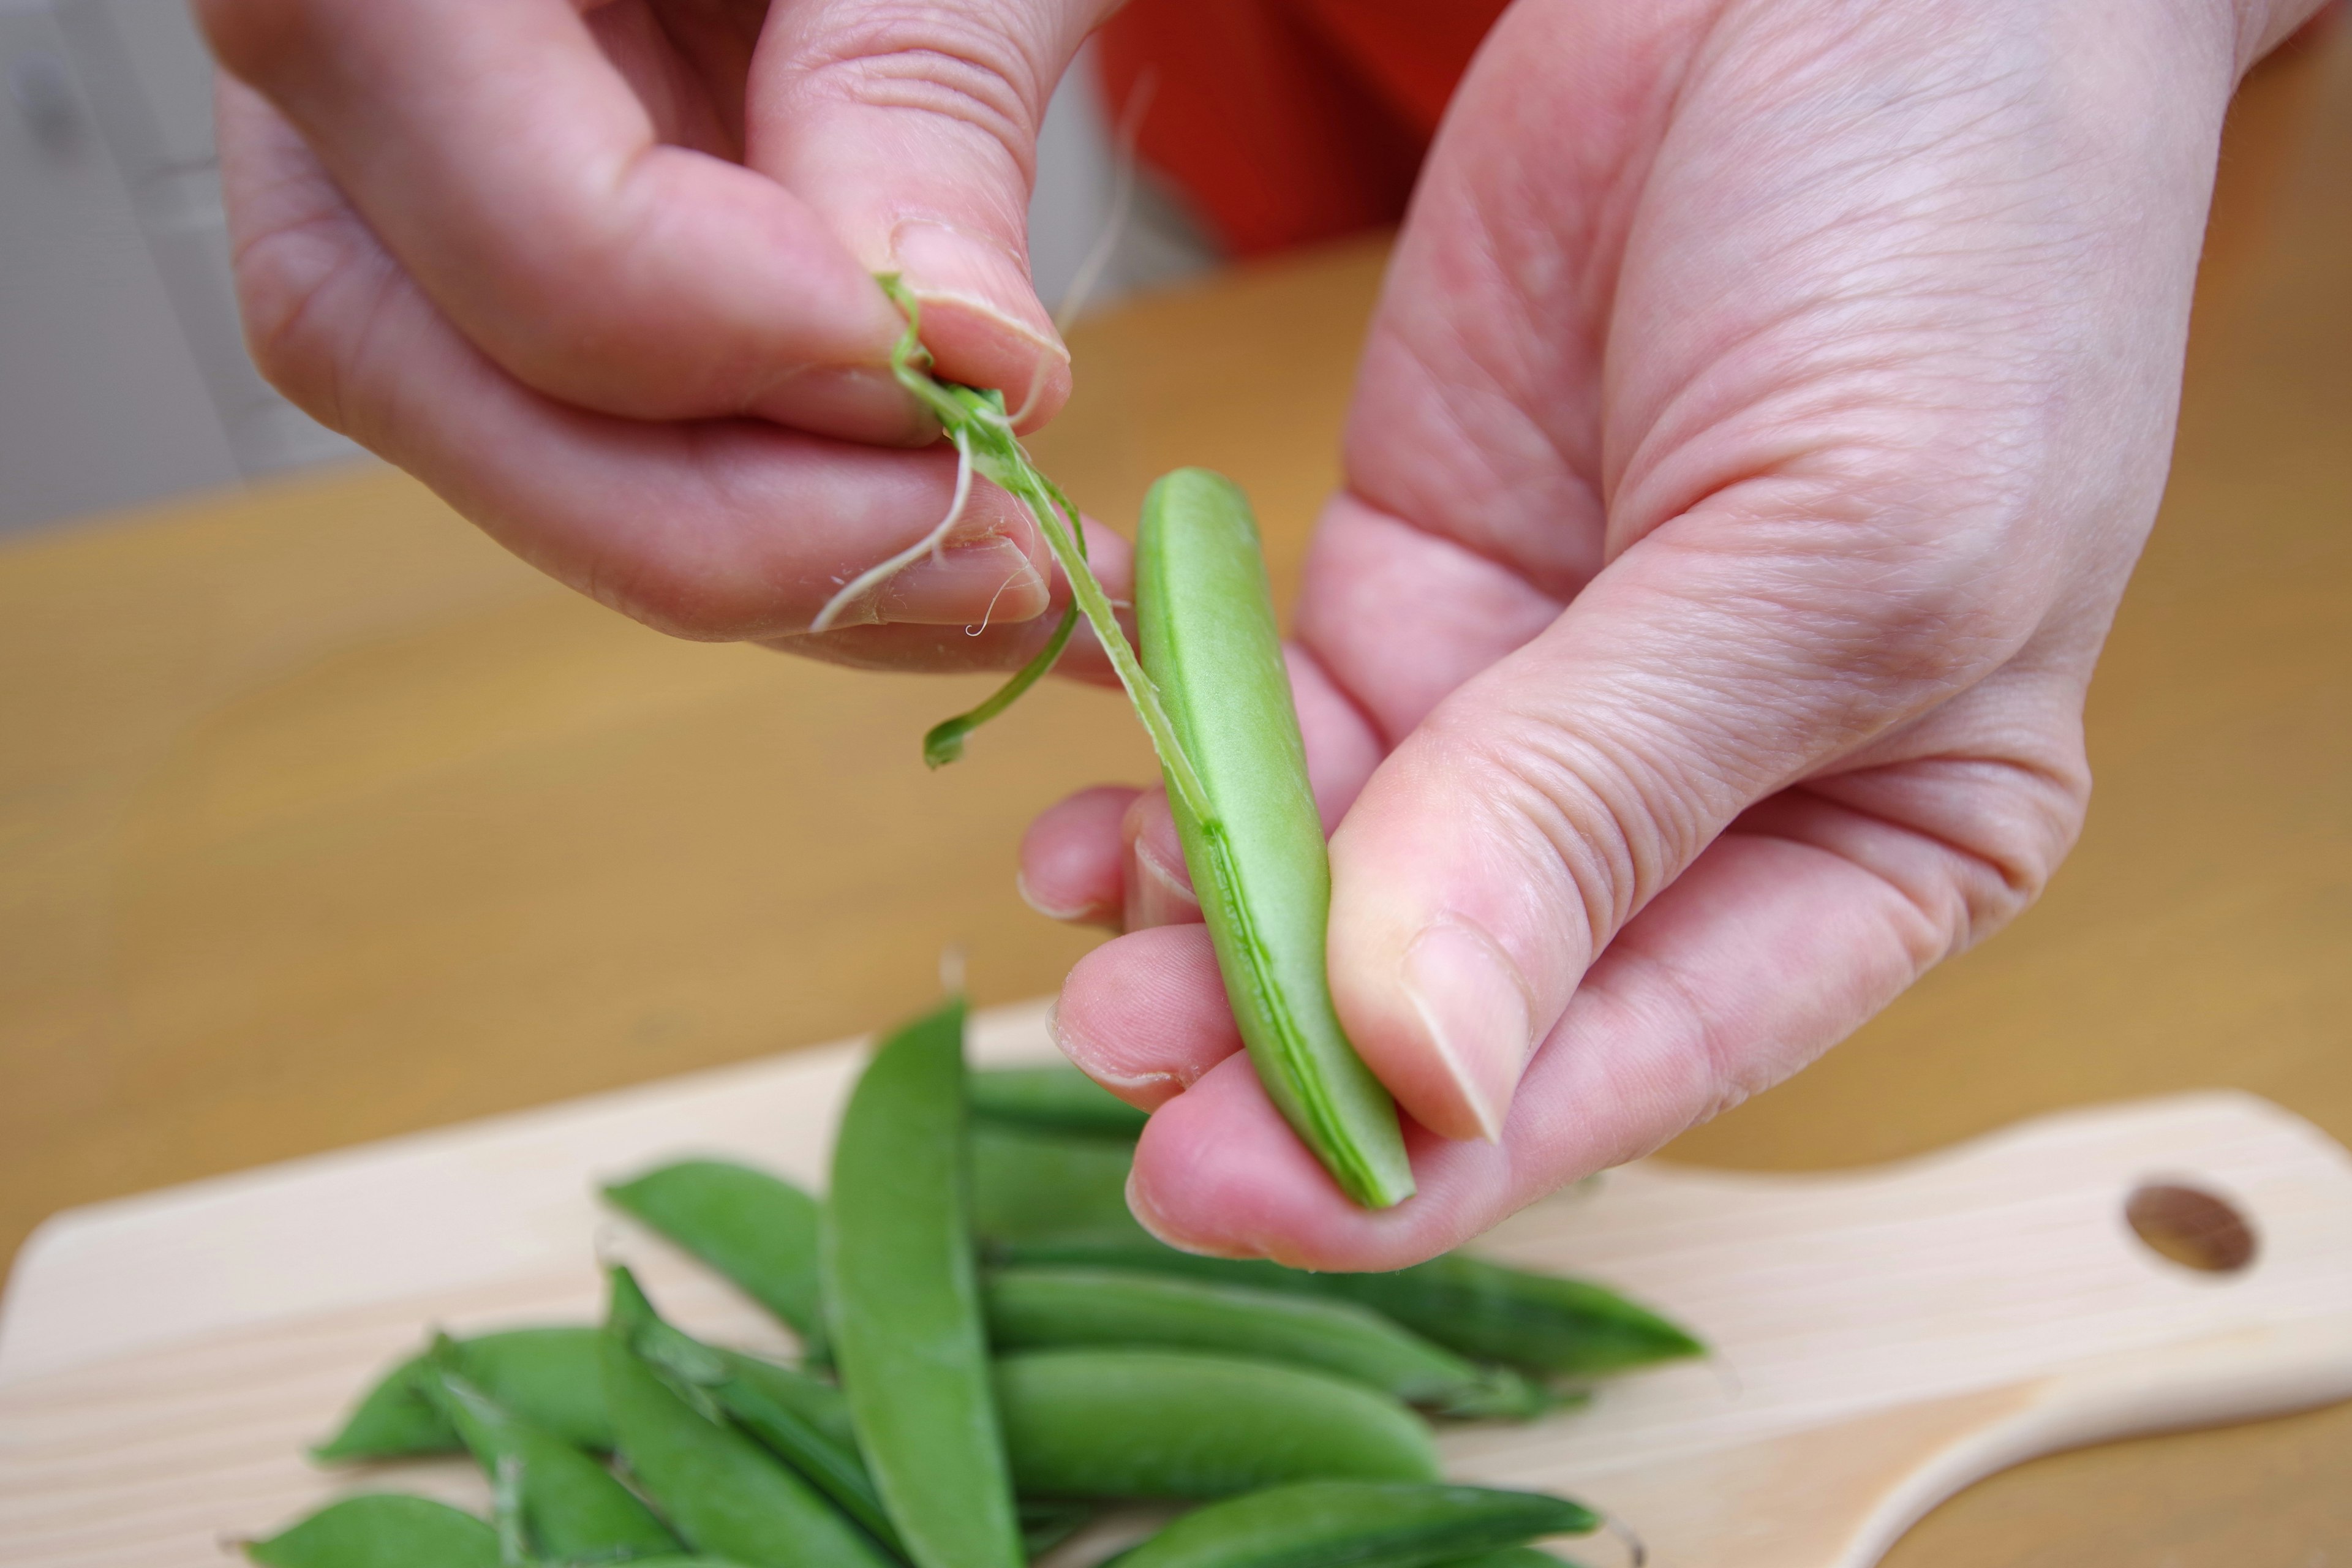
946, 265
1471, 1002
1156, 894
1050, 911
1150, 1219
973, 583
1083, 1055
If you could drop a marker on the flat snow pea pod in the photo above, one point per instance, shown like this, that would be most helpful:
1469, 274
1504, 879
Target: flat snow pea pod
549, 1376
757, 1229
1028, 1184
1055, 1099
899, 1283
724, 1493
1172, 1423
1030, 1309
571, 1507
1357, 1524
1205, 615
1480, 1308
381, 1529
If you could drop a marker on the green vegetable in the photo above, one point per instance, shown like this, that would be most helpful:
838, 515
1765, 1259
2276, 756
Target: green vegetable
1357, 1524
1476, 1308
975, 420
1217, 706
548, 1376
1252, 839
382, 1531
723, 1492
821, 1404
800, 1420
1058, 1099
899, 1283
569, 1505
1047, 1524
1027, 1185
1141, 1423
1035, 1307
758, 1230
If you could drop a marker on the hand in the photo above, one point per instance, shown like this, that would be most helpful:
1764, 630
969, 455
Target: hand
601, 273
1764, 411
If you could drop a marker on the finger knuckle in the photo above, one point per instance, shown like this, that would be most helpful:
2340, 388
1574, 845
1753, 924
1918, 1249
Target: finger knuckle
958, 66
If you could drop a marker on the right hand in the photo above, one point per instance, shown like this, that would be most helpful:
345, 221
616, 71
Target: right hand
600, 275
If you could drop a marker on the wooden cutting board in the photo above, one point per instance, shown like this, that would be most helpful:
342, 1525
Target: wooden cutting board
1883, 1336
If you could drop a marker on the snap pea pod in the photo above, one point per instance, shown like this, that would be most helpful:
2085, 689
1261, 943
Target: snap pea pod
1052, 1098
757, 1229
821, 1404
1357, 1524
1477, 1308
723, 1491
381, 1529
774, 1404
1172, 1423
900, 1286
1205, 616
1513, 1557
1027, 1183
1043, 1308
549, 1376
1045, 1525
570, 1506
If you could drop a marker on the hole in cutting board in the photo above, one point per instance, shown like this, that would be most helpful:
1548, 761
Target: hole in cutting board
2190, 1226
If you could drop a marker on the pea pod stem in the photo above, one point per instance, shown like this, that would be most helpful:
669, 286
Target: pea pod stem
975, 420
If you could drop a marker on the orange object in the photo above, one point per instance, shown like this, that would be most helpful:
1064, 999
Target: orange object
1290, 121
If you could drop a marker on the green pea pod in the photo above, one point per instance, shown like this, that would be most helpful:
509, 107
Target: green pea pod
1047, 1524
1032, 1308
1510, 1557
899, 1283
1028, 1184
1473, 1306
1206, 619
381, 1529
1359, 1524
790, 1413
1171, 1424
1056, 1099
547, 1377
571, 1507
821, 1404
726, 1494
757, 1229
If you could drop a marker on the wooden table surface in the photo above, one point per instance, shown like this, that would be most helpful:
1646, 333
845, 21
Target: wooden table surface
320, 819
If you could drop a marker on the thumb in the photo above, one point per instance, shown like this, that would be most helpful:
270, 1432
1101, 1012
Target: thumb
1546, 800
913, 131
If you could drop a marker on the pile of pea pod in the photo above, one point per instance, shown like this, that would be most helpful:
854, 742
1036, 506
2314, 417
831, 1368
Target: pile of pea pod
993, 1351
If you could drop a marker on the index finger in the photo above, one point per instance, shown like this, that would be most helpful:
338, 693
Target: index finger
512, 171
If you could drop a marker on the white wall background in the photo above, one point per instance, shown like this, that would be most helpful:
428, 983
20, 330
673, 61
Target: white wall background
123, 376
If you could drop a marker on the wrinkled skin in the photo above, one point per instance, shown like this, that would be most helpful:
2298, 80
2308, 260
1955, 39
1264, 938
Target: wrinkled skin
1766, 405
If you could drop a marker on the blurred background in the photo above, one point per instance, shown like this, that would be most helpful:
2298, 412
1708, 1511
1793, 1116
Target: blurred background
322, 819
